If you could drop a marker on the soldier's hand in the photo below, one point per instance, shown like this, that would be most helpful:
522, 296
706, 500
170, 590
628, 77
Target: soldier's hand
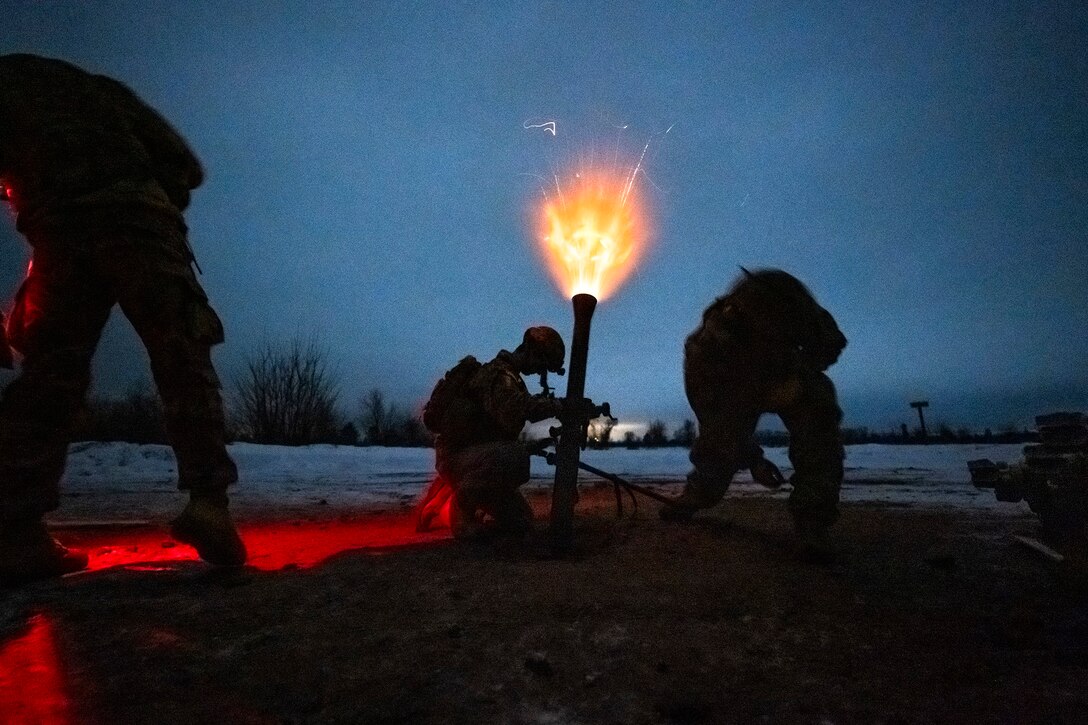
553, 405
575, 409
584, 409
538, 448
766, 473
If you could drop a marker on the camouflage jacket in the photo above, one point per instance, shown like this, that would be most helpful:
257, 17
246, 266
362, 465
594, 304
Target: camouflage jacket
770, 318
75, 146
500, 406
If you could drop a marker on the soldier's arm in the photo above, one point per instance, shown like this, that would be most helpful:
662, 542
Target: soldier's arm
176, 166
542, 407
509, 403
827, 344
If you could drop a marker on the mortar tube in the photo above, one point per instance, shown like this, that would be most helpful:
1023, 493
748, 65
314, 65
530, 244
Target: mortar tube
570, 443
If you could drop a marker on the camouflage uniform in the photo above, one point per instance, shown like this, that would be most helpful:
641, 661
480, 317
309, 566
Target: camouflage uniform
479, 453
99, 181
762, 348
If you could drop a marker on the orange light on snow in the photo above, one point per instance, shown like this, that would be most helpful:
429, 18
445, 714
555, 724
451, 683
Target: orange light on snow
593, 232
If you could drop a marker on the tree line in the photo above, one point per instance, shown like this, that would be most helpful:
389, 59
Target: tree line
282, 395
289, 395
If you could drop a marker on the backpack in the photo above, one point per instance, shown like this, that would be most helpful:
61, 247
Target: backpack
450, 401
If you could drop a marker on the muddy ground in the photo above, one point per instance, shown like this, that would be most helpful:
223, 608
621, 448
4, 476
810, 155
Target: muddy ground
927, 616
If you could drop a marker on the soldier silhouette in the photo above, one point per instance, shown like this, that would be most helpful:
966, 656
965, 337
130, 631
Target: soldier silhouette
99, 181
477, 411
763, 348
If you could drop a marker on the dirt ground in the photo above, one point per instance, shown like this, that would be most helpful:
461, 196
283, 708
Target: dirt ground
927, 616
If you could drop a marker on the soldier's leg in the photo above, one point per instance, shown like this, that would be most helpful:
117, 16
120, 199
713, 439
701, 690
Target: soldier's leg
170, 312
487, 478
719, 451
817, 453
466, 522
66, 307
726, 406
509, 469
466, 514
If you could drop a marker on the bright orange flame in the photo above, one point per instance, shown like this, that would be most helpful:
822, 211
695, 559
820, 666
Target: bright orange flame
593, 232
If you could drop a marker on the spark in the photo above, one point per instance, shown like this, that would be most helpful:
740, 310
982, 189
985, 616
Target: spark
559, 189
548, 126
638, 167
634, 173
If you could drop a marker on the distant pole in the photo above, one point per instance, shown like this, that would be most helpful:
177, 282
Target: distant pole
918, 405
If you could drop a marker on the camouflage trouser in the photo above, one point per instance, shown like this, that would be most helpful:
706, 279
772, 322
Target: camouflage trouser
75, 281
728, 415
485, 479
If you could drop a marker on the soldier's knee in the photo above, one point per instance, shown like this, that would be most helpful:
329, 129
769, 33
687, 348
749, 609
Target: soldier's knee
508, 466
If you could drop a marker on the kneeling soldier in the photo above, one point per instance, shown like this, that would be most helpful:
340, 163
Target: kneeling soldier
477, 411
763, 348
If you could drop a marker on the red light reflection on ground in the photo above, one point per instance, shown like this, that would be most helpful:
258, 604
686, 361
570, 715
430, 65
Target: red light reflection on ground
32, 681
271, 545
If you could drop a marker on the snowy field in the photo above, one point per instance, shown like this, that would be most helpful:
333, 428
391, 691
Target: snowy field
125, 481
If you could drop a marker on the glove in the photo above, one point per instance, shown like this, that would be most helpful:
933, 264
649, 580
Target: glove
766, 473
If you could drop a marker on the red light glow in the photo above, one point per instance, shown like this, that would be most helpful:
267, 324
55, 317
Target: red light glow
33, 687
33, 680
271, 545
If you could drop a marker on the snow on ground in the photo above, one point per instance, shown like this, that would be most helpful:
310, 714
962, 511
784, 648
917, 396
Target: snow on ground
125, 481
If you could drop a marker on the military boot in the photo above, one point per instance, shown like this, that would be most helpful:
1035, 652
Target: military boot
681, 508
466, 520
28, 553
206, 525
699, 493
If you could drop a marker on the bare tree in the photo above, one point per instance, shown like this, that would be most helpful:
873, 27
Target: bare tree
379, 418
384, 424
287, 395
656, 434
685, 434
137, 417
414, 433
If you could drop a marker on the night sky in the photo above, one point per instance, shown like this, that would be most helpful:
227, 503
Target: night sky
923, 168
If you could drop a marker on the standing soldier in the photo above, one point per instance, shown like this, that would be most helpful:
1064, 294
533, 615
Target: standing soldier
763, 348
477, 411
99, 181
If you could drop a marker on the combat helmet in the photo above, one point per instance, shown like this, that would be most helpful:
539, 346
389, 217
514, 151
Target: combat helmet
545, 344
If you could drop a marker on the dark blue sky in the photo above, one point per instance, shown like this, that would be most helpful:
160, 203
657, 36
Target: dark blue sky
923, 169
